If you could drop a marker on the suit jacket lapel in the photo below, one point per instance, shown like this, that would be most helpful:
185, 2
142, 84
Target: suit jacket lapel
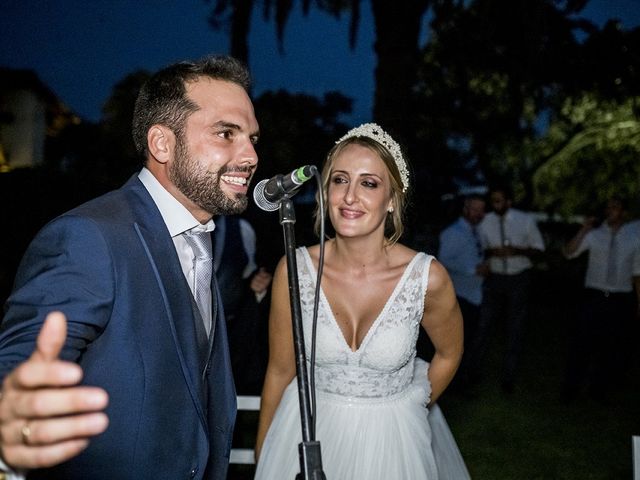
220, 383
176, 295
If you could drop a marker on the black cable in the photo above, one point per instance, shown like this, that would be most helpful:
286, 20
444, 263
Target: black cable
314, 321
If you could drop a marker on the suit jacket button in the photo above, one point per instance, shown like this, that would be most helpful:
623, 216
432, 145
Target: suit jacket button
193, 472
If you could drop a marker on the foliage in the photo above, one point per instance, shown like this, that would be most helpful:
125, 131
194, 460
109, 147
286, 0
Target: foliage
610, 62
396, 48
99, 157
591, 153
490, 75
236, 16
117, 117
490, 71
495, 71
297, 129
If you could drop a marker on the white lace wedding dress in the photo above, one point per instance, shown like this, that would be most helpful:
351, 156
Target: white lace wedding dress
372, 420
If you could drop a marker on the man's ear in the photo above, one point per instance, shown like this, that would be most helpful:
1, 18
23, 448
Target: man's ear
161, 142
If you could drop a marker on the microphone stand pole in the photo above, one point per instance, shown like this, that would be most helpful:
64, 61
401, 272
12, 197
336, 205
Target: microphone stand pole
308, 450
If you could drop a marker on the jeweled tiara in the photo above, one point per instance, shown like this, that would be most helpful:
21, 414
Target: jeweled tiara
375, 132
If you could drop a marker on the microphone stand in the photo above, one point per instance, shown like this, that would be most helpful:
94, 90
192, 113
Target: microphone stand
308, 450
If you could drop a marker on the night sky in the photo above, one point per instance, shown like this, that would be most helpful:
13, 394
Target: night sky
82, 48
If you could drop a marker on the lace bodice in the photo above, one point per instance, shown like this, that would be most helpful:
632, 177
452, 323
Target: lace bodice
383, 364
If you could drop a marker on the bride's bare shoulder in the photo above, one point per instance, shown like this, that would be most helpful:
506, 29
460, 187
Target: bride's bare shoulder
314, 254
314, 251
402, 254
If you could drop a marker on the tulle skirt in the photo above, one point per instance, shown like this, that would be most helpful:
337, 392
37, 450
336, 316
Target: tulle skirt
391, 438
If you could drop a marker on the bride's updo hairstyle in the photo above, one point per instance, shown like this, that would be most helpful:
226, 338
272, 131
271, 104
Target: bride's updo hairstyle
374, 138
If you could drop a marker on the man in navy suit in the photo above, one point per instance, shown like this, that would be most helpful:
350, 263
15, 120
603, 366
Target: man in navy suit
110, 368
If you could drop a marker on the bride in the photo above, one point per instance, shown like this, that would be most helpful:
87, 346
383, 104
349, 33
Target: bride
376, 412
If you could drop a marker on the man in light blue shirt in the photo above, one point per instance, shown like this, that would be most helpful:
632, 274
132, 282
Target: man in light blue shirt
462, 254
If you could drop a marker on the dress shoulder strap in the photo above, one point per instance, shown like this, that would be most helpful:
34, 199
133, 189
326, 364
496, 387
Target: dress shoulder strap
424, 263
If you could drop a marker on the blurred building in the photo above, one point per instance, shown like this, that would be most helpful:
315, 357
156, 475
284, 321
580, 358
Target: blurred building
29, 113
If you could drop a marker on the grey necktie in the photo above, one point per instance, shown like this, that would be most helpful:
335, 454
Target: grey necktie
504, 242
612, 265
200, 243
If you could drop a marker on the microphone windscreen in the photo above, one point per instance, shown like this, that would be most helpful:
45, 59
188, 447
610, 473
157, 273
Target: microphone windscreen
261, 201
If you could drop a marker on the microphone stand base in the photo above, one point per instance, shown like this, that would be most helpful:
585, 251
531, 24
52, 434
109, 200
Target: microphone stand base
310, 461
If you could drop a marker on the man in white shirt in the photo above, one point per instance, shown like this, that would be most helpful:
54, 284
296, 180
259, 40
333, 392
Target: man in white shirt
460, 251
600, 338
633, 227
510, 238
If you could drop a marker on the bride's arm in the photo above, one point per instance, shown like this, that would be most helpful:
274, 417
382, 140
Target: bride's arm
442, 321
281, 367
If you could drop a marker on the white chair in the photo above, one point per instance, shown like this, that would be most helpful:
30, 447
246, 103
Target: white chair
244, 456
636, 457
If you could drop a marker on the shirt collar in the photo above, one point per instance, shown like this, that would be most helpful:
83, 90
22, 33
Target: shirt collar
175, 215
506, 214
611, 230
466, 224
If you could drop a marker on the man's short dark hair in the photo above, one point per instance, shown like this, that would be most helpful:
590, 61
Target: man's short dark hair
503, 188
163, 98
623, 202
474, 196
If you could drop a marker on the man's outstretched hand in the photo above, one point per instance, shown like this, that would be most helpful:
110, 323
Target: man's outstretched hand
45, 417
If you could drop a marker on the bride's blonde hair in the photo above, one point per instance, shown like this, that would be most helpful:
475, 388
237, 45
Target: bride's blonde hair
394, 226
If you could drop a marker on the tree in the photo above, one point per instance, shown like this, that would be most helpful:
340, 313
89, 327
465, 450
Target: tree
296, 129
397, 26
475, 103
590, 153
491, 72
236, 15
122, 159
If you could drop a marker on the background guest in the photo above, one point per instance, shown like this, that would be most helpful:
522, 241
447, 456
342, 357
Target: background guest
600, 338
510, 238
460, 251
243, 288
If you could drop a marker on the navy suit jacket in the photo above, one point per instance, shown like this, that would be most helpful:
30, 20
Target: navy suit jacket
111, 266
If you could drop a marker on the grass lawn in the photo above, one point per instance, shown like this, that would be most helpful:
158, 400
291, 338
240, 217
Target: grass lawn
532, 434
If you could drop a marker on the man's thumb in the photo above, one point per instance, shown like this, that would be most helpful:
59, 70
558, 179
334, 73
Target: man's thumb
51, 337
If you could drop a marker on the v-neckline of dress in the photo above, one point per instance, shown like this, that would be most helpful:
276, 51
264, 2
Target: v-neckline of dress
380, 315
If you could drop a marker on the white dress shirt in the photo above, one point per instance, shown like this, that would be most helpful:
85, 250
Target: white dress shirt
626, 262
520, 231
633, 227
178, 220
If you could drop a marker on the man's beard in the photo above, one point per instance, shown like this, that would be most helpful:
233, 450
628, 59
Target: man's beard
201, 186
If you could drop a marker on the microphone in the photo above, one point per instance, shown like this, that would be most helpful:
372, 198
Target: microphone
268, 193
